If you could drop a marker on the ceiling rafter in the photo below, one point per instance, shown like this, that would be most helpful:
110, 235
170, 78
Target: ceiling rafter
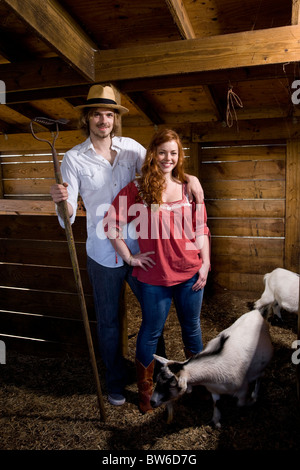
186, 29
181, 18
295, 12
59, 30
246, 49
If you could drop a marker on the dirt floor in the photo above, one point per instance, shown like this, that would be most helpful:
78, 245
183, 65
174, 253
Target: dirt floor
51, 404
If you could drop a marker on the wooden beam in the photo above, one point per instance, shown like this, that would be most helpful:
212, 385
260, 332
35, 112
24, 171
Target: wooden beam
39, 74
59, 30
70, 92
26, 143
53, 78
27, 207
247, 130
146, 108
1, 182
181, 18
295, 12
292, 224
229, 51
215, 77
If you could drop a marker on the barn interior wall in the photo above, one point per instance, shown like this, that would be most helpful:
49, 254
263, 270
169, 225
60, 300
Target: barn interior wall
251, 194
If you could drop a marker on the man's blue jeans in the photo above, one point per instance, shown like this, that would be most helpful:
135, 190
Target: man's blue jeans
107, 286
156, 302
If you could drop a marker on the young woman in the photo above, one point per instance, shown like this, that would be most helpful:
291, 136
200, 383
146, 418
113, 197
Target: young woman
174, 259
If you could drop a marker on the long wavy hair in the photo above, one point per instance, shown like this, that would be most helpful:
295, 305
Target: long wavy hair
152, 181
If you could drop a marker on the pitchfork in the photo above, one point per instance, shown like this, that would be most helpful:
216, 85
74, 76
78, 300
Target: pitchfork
71, 244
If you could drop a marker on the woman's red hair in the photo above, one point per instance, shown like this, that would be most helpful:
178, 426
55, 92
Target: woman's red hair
152, 182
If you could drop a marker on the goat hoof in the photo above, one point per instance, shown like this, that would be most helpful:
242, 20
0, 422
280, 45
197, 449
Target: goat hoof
212, 424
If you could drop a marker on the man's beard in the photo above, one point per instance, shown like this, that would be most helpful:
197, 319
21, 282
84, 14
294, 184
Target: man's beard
102, 133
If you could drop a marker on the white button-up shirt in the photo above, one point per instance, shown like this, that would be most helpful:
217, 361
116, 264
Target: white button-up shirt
98, 182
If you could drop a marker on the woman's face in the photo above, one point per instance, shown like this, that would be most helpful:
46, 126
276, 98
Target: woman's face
167, 156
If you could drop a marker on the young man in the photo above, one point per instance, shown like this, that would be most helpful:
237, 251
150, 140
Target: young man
98, 169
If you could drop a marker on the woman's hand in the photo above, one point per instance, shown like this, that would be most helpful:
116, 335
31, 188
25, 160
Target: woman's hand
202, 278
142, 260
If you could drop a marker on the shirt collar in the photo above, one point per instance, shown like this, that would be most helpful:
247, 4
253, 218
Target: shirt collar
88, 145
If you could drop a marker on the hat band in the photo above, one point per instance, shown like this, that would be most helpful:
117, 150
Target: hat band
100, 101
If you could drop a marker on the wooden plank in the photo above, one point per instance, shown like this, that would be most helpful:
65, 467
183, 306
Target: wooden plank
52, 23
255, 247
245, 49
292, 240
27, 207
46, 348
249, 170
30, 207
238, 153
1, 181
240, 208
39, 76
249, 130
27, 144
43, 227
28, 158
219, 189
239, 281
295, 12
50, 304
44, 278
28, 170
181, 18
43, 328
28, 186
247, 227
39, 252
245, 265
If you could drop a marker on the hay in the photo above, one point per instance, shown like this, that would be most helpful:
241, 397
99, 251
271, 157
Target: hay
51, 404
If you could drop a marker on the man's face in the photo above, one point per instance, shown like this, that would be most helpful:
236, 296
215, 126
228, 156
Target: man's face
101, 122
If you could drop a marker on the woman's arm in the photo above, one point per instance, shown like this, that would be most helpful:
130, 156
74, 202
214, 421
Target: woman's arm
203, 242
140, 260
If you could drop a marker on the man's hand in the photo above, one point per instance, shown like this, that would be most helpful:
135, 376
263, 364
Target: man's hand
59, 192
194, 189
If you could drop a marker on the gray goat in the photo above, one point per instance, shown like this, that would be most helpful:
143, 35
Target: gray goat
228, 365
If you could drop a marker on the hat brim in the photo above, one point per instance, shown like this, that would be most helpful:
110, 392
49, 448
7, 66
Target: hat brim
121, 109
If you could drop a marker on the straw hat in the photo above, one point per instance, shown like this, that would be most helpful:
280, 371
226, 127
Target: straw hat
102, 97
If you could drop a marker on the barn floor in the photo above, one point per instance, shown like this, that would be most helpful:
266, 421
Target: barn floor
50, 403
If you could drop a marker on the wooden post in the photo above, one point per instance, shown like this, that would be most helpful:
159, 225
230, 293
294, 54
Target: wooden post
1, 182
292, 233
292, 230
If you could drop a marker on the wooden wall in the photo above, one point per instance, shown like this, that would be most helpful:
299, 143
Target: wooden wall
245, 198
39, 306
251, 194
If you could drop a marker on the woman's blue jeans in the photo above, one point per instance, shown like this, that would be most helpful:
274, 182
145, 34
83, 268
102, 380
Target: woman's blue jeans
156, 302
107, 286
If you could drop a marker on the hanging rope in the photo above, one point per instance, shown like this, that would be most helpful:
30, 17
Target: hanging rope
232, 100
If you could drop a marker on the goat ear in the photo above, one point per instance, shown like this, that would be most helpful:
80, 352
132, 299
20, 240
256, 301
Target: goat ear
182, 383
160, 359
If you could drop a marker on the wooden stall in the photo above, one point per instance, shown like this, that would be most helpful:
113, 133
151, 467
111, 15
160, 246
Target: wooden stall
223, 74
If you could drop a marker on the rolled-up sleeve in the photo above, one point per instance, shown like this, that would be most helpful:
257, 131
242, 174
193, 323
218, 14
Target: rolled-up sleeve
69, 175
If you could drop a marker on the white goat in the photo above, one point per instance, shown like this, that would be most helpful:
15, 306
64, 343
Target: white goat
281, 291
230, 362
